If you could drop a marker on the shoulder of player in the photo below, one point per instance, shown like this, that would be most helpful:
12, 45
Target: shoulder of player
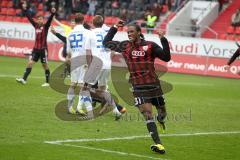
149, 43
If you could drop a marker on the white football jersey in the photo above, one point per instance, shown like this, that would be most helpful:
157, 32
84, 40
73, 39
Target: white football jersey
98, 50
78, 41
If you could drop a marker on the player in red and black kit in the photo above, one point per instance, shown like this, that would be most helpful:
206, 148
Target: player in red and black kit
233, 58
139, 56
40, 46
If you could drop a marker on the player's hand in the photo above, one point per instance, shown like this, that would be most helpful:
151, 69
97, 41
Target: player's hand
226, 67
24, 6
160, 33
53, 30
53, 10
120, 23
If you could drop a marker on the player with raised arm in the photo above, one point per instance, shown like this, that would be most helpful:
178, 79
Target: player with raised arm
40, 47
67, 29
139, 55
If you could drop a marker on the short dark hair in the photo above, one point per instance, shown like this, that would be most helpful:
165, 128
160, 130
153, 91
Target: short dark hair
79, 18
98, 21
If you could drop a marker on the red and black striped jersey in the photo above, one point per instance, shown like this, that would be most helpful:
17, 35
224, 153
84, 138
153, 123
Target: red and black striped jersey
139, 58
41, 32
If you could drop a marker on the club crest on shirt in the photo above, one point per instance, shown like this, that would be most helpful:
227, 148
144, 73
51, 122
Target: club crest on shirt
39, 30
145, 48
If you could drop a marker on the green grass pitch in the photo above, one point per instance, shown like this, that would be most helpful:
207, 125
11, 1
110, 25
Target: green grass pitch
206, 105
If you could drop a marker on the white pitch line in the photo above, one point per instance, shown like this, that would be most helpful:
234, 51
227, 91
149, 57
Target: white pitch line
144, 136
16, 76
174, 83
113, 152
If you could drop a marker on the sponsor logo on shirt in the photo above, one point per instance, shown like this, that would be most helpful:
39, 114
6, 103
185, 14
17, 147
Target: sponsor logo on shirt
138, 53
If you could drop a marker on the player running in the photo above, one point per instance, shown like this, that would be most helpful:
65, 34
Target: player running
139, 55
40, 46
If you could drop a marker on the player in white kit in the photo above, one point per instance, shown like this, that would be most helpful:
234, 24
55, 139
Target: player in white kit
78, 49
104, 55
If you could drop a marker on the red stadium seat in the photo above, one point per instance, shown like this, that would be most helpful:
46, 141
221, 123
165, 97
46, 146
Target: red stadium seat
230, 30
115, 20
237, 30
11, 12
223, 36
108, 20
17, 19
2, 18
18, 11
4, 11
4, 4
9, 18
144, 30
231, 37
10, 4
40, 7
164, 9
24, 20
88, 18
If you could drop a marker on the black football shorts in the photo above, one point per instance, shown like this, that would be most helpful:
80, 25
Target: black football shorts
39, 54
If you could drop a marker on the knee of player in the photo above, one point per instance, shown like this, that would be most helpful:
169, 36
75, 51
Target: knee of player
147, 115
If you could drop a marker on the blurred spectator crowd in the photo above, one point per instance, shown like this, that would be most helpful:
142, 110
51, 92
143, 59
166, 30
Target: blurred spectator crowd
127, 10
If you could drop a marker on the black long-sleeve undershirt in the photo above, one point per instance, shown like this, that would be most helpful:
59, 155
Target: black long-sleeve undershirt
234, 56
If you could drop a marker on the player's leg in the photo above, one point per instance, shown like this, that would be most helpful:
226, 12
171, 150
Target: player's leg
44, 62
159, 103
67, 68
102, 87
70, 97
84, 98
146, 109
34, 58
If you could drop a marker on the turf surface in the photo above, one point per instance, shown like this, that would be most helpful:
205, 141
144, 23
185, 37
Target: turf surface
196, 104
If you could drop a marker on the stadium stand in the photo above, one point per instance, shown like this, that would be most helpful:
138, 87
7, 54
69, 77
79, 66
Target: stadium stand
222, 25
132, 11
129, 10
